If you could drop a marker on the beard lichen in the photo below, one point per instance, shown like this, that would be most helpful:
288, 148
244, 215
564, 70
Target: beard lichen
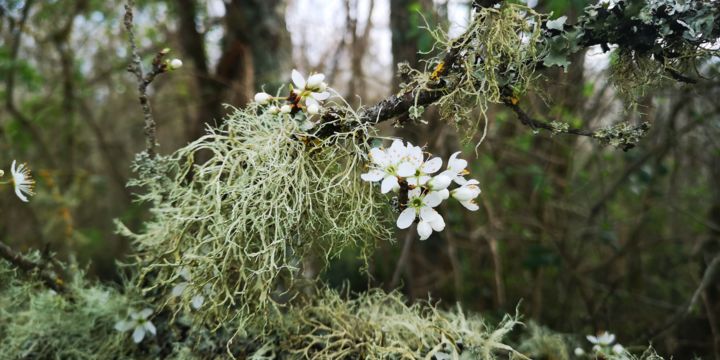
378, 325
236, 228
38, 323
496, 58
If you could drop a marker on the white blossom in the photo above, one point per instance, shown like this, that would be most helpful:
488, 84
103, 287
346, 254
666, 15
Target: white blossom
285, 109
139, 323
466, 194
22, 181
273, 109
579, 351
314, 86
604, 339
618, 349
385, 166
456, 169
415, 169
421, 205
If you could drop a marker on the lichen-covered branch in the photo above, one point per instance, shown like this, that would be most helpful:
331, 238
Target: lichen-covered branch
23, 263
667, 39
144, 79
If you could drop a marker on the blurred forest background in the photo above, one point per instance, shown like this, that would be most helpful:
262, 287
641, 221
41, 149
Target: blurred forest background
584, 237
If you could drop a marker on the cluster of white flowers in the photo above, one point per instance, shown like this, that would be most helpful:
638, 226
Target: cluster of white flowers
404, 167
305, 100
602, 344
138, 322
21, 180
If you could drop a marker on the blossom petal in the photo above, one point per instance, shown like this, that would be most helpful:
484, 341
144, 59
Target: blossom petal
470, 205
298, 79
438, 224
428, 214
424, 230
433, 199
431, 166
138, 334
406, 169
592, 339
146, 312
321, 95
150, 327
373, 175
124, 325
179, 289
388, 184
406, 218
315, 80
379, 157
20, 194
198, 301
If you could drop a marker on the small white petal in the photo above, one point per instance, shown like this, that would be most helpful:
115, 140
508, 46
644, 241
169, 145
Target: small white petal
406, 169
124, 325
379, 157
438, 224
285, 109
315, 80
433, 199
179, 289
424, 230
429, 214
406, 218
145, 313
138, 334
298, 79
197, 301
150, 327
389, 183
373, 175
470, 205
444, 194
321, 96
592, 339
431, 166
439, 182
618, 349
313, 109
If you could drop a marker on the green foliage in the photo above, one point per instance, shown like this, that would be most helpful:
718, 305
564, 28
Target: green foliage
243, 221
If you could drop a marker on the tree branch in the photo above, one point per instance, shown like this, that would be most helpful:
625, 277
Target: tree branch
135, 67
49, 278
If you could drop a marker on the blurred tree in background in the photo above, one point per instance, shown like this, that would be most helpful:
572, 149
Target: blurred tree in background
585, 237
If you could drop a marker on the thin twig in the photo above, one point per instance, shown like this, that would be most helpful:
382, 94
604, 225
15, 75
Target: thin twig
49, 278
404, 256
135, 67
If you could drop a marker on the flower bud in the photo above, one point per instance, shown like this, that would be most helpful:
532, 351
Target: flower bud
579, 351
285, 109
262, 98
175, 64
2, 173
274, 109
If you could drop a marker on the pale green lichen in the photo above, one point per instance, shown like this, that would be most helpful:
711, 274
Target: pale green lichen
243, 221
377, 325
